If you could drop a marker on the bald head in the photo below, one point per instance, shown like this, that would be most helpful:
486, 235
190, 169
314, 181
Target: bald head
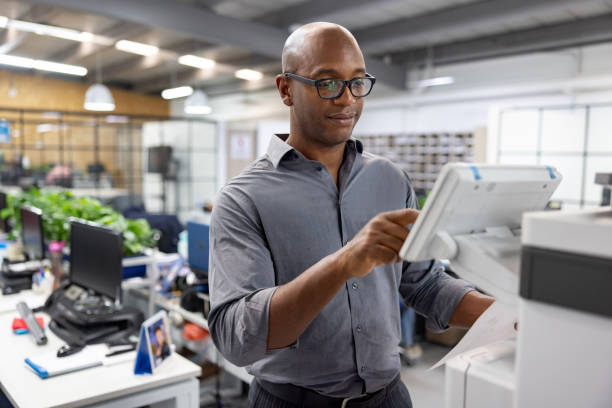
313, 43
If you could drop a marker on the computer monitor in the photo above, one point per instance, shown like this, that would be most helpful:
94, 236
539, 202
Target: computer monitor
32, 233
96, 255
198, 247
159, 159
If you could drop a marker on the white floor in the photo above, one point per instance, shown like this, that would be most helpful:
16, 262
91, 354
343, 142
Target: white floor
426, 387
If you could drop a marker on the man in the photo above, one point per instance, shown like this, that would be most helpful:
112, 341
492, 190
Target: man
163, 349
304, 268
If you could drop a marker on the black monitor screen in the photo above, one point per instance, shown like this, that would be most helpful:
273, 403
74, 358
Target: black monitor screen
96, 255
159, 159
32, 233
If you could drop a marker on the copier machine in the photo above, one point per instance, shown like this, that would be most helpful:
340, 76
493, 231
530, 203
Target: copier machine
555, 265
562, 354
564, 345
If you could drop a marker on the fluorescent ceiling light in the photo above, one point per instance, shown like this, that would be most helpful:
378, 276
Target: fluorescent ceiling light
196, 62
61, 68
42, 65
447, 80
43, 29
99, 98
197, 104
180, 92
136, 48
16, 61
3, 21
248, 74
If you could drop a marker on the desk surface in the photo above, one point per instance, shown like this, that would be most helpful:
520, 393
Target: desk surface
8, 303
26, 389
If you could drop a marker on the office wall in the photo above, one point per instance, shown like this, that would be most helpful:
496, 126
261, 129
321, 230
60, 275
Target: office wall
42, 92
195, 147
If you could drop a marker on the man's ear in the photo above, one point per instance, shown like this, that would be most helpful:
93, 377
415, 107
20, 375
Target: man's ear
284, 89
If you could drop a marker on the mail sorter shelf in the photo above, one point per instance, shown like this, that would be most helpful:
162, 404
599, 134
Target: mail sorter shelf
421, 155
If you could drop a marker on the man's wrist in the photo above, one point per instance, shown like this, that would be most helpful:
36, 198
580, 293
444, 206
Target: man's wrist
348, 264
342, 261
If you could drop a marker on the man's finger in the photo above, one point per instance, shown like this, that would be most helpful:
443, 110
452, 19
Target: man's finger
403, 216
395, 230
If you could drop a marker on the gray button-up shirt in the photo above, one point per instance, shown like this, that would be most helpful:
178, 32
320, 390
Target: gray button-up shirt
281, 216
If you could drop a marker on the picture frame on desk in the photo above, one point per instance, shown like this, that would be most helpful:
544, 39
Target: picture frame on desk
154, 344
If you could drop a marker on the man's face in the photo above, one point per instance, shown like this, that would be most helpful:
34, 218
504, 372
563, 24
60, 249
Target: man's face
328, 122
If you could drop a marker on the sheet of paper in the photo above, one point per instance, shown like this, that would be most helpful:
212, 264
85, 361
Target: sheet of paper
495, 324
8, 303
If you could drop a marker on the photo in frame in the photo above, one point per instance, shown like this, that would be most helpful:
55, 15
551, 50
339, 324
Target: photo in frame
154, 344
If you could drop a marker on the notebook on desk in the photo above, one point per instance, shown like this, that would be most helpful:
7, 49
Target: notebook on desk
89, 357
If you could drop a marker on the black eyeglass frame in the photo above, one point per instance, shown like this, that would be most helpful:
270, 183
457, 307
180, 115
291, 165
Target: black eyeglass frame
346, 84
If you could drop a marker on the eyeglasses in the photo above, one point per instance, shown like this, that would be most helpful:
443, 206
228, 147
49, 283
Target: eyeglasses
332, 88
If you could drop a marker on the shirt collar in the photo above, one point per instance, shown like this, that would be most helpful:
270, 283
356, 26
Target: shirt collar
278, 147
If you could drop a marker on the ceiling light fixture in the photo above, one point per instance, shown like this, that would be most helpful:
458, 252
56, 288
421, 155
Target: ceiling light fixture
179, 92
197, 104
14, 61
136, 48
53, 31
98, 97
61, 68
248, 74
42, 65
196, 62
446, 80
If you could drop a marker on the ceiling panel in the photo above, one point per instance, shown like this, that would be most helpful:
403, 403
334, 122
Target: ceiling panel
250, 9
13, 8
363, 15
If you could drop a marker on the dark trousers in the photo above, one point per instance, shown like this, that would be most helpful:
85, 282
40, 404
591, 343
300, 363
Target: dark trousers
395, 397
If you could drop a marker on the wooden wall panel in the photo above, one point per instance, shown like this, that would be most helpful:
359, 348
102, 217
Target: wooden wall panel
41, 92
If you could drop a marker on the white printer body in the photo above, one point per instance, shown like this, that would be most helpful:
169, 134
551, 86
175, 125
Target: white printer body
562, 355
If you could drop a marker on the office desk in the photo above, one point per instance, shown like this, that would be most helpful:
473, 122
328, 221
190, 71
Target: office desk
174, 384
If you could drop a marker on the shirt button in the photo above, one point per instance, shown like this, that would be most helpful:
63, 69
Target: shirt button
358, 329
354, 285
362, 369
319, 168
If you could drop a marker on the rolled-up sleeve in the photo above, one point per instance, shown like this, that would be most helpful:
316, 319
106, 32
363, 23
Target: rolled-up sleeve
427, 288
241, 277
432, 292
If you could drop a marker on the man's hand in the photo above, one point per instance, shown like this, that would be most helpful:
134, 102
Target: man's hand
378, 242
296, 303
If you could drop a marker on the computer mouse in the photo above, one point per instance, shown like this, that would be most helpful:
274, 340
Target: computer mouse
68, 350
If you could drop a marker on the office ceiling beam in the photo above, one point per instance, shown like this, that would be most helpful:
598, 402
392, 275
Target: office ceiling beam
11, 39
201, 24
309, 11
394, 35
186, 20
587, 31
